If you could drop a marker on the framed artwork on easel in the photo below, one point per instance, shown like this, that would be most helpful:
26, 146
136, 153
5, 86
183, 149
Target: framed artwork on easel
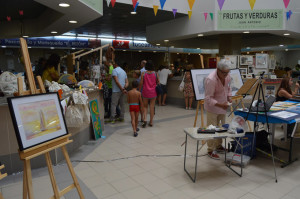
37, 119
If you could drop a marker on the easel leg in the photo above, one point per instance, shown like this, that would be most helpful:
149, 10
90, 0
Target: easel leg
1, 197
24, 182
51, 174
65, 152
28, 179
196, 117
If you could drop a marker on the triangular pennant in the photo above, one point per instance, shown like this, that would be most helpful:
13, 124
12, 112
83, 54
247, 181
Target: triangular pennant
191, 3
162, 4
174, 12
8, 18
211, 16
221, 3
113, 3
134, 3
190, 14
21, 12
286, 3
252, 3
288, 14
108, 2
205, 16
155, 8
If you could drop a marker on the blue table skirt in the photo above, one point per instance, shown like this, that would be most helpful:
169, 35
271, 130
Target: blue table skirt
262, 117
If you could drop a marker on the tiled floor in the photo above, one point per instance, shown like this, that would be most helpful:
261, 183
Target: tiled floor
151, 166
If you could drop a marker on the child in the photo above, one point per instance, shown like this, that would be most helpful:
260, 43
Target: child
134, 99
137, 76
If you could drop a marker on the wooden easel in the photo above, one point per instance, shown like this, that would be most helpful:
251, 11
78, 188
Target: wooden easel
2, 175
44, 148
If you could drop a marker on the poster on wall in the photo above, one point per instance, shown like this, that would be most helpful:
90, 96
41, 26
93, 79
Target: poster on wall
96, 122
233, 60
37, 119
246, 60
199, 76
261, 60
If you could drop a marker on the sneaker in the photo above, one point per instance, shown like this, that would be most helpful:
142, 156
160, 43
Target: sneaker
221, 149
135, 134
213, 155
120, 120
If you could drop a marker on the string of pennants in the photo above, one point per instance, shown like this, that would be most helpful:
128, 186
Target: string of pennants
135, 4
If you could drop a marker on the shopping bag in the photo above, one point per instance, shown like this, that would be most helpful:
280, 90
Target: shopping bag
181, 86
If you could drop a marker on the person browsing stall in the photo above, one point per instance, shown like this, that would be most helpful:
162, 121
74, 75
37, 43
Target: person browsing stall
134, 99
216, 102
284, 91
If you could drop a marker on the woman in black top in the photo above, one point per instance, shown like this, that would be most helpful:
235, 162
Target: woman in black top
284, 91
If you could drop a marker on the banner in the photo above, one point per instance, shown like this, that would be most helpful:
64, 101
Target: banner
120, 44
250, 20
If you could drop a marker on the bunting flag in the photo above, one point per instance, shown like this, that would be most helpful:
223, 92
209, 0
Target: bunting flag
190, 14
221, 3
211, 16
21, 12
286, 3
191, 3
174, 12
162, 4
288, 14
8, 18
134, 3
205, 16
113, 3
155, 9
252, 3
108, 2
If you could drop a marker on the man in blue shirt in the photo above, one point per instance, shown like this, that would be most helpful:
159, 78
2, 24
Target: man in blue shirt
119, 85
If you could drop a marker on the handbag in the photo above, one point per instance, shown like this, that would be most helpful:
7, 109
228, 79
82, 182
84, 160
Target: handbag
181, 85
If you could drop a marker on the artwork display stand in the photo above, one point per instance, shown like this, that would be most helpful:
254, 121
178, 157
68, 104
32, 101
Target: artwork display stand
2, 175
45, 148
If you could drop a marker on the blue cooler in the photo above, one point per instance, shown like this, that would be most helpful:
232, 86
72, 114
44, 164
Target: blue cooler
247, 145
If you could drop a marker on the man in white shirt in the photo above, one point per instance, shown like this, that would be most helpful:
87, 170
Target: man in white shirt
163, 75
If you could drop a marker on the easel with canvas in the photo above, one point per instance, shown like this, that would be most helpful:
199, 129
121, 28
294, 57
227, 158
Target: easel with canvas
45, 148
2, 175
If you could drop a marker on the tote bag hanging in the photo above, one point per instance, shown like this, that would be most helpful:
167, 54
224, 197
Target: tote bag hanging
181, 85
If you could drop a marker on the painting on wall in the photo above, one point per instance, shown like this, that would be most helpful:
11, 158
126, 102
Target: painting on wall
37, 119
233, 60
261, 60
236, 81
246, 60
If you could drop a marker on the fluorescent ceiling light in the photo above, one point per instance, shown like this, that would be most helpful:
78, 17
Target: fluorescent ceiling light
52, 48
133, 13
286, 49
29, 46
64, 5
198, 48
158, 44
72, 21
140, 51
281, 45
3, 46
246, 32
154, 51
73, 48
53, 32
200, 35
286, 34
124, 50
166, 40
25, 36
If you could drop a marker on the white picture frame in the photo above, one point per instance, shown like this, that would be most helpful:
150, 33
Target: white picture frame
251, 69
261, 60
199, 76
246, 60
243, 71
37, 119
233, 60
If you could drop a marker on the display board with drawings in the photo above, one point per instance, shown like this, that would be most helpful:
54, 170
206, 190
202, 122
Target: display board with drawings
199, 76
233, 60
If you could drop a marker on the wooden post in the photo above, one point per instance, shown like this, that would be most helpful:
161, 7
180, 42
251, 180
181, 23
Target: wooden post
1, 177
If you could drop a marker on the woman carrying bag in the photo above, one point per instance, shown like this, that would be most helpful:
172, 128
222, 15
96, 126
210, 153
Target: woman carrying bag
188, 88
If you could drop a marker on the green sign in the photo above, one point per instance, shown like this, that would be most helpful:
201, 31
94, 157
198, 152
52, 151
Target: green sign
250, 19
96, 122
94, 4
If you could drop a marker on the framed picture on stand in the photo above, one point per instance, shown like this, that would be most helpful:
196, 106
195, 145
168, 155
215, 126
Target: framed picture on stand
37, 119
246, 60
261, 60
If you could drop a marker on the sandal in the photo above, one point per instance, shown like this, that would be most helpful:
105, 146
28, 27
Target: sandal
135, 134
137, 129
150, 125
144, 124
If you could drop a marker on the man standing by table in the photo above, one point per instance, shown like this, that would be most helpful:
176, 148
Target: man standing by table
217, 99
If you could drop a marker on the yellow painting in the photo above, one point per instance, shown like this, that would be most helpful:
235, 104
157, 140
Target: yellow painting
39, 118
